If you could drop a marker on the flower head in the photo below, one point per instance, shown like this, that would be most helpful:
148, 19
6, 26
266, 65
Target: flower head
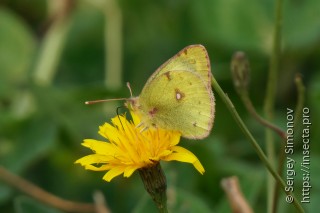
129, 149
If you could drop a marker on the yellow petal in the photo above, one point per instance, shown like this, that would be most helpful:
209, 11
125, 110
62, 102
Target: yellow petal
107, 130
135, 118
182, 150
199, 167
100, 147
95, 168
128, 172
116, 171
94, 158
186, 156
120, 122
175, 139
183, 157
164, 153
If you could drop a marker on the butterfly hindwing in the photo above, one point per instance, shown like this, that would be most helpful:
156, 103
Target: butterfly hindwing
178, 100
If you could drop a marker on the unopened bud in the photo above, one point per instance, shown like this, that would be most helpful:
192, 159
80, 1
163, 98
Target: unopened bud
240, 69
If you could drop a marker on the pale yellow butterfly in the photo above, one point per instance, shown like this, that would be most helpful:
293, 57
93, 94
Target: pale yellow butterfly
178, 95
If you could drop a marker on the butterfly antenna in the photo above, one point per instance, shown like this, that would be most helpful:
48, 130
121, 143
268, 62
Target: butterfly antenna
119, 116
106, 100
129, 87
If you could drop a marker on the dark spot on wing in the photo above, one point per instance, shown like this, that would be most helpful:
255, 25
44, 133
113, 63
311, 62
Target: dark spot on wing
153, 111
179, 95
167, 74
185, 51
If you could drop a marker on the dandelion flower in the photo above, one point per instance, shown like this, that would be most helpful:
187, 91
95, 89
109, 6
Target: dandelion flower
128, 149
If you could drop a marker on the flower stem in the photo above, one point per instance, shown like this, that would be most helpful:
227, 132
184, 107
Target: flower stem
248, 104
240, 69
297, 117
253, 142
155, 183
113, 44
300, 100
270, 96
53, 43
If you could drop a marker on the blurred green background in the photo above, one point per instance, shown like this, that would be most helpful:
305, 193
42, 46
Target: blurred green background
55, 55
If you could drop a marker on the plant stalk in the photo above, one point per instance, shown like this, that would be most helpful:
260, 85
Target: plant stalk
253, 142
271, 96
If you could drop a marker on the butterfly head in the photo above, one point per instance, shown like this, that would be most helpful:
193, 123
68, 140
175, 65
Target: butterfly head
132, 104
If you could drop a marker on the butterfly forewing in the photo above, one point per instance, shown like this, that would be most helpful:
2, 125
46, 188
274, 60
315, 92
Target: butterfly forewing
193, 58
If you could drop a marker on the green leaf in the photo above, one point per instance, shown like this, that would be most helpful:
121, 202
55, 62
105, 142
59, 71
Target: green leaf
33, 138
25, 143
17, 49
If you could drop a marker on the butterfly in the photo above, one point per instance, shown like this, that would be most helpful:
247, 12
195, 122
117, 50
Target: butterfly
178, 95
